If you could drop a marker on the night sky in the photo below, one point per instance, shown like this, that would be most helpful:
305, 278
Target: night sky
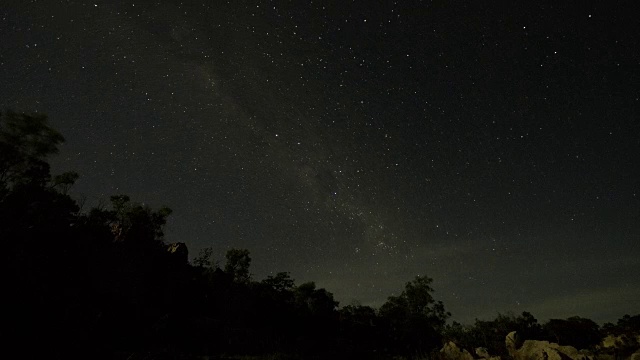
494, 148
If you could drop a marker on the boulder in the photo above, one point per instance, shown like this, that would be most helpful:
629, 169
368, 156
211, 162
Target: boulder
624, 346
483, 353
511, 343
539, 350
620, 341
611, 341
450, 351
542, 350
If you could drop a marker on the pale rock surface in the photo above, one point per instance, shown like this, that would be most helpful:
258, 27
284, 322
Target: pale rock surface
612, 346
511, 343
483, 353
611, 341
450, 351
542, 350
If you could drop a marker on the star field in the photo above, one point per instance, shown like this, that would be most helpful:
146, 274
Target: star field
359, 144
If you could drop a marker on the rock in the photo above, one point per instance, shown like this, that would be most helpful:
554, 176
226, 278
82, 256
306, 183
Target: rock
538, 350
611, 341
575, 354
179, 252
606, 357
619, 347
543, 350
620, 341
483, 353
511, 343
450, 351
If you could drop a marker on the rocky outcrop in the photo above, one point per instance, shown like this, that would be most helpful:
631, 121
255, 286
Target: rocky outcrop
620, 341
511, 342
450, 351
612, 348
543, 350
626, 346
483, 353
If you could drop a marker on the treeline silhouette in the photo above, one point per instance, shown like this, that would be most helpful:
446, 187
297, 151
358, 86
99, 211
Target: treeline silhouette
103, 283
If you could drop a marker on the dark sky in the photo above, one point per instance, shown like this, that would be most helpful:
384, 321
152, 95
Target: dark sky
494, 148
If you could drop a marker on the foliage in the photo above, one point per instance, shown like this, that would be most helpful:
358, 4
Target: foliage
25, 141
626, 335
238, 262
491, 334
317, 302
575, 331
415, 319
360, 330
625, 325
203, 259
281, 282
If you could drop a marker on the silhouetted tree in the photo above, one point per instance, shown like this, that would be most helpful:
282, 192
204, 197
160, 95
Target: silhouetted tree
318, 302
578, 332
360, 331
626, 333
625, 325
415, 319
491, 334
135, 222
45, 283
281, 282
317, 318
204, 258
25, 142
238, 262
